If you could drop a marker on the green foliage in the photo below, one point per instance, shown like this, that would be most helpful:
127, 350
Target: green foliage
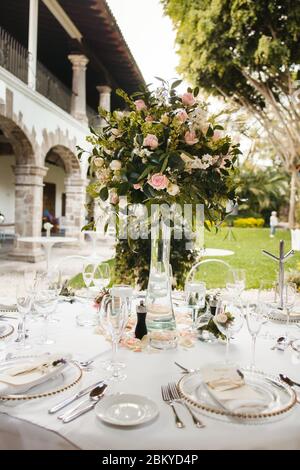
132, 262
248, 222
219, 40
261, 190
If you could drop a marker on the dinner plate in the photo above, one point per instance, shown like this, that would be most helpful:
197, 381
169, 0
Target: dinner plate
126, 409
280, 397
6, 329
56, 382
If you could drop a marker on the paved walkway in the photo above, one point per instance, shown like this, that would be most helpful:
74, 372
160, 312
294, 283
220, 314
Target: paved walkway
10, 270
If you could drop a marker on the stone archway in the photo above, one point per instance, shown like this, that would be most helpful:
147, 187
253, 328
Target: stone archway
75, 189
29, 176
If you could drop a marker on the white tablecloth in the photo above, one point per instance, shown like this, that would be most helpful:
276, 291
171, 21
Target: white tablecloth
146, 372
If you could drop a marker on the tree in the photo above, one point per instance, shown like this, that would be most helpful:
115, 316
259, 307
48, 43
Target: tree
247, 51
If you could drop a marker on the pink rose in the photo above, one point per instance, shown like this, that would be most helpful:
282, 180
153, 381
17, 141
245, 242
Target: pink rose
149, 118
182, 115
158, 181
113, 198
151, 141
140, 105
137, 186
188, 99
190, 137
217, 135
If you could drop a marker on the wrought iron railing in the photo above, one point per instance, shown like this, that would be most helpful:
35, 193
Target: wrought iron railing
52, 88
13, 56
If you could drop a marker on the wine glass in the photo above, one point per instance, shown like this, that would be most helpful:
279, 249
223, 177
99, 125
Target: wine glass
88, 273
24, 298
255, 318
229, 319
195, 299
101, 276
125, 291
236, 282
266, 297
45, 301
288, 298
113, 318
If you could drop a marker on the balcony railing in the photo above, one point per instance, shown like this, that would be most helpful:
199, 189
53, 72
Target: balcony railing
14, 58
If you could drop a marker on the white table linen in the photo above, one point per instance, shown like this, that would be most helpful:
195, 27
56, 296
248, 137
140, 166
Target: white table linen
146, 372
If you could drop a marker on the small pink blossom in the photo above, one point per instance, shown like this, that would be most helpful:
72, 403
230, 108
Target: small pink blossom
190, 137
158, 181
151, 141
217, 135
182, 115
140, 105
137, 186
149, 118
113, 198
188, 99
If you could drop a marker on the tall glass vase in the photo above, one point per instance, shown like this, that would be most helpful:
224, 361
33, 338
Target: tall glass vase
161, 323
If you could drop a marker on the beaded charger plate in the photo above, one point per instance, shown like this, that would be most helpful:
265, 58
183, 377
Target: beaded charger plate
67, 378
279, 397
6, 329
281, 317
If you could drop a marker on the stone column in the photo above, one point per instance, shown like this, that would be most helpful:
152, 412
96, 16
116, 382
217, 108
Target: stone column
32, 42
104, 97
75, 189
28, 210
78, 103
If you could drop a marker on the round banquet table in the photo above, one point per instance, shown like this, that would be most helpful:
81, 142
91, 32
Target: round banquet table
215, 252
48, 243
27, 425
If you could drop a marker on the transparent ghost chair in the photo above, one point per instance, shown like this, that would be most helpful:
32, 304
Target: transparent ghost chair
204, 285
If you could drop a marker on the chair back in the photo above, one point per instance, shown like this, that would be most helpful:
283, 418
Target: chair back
213, 272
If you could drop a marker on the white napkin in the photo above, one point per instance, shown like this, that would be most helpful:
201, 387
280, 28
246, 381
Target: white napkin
23, 375
229, 388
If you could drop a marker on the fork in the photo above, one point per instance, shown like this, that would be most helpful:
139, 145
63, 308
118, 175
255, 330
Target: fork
167, 399
177, 398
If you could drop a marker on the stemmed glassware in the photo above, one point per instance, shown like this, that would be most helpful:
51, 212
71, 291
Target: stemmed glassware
266, 298
289, 297
24, 298
88, 273
113, 318
45, 302
101, 275
229, 319
236, 282
255, 317
195, 292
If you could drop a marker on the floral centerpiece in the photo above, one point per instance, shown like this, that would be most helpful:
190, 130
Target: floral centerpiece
163, 149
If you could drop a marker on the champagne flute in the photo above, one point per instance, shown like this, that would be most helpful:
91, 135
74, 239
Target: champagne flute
236, 282
113, 318
229, 319
24, 297
289, 297
255, 319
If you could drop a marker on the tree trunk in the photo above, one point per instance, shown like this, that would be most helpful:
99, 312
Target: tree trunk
293, 198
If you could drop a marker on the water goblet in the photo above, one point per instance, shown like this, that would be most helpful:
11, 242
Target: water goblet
195, 299
236, 282
113, 318
46, 300
229, 319
101, 276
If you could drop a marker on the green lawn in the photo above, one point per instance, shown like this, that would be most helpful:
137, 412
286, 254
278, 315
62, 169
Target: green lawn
247, 248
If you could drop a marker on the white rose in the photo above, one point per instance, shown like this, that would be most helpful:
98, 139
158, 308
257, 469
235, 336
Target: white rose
116, 132
115, 165
221, 318
173, 189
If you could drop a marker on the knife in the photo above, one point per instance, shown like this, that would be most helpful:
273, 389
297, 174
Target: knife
77, 395
75, 415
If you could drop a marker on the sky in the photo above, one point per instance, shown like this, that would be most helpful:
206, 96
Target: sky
149, 35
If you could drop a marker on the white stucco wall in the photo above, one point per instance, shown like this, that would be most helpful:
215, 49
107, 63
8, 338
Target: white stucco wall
7, 187
43, 120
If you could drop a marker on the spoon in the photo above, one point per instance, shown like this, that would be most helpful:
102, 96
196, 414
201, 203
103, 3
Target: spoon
287, 380
279, 344
94, 396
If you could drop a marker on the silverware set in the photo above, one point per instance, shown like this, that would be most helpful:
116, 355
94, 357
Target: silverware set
171, 396
95, 392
